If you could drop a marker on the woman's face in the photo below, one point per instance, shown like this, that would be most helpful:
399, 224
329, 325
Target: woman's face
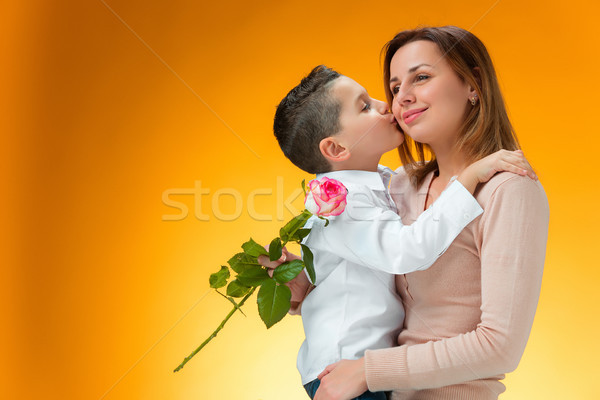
430, 100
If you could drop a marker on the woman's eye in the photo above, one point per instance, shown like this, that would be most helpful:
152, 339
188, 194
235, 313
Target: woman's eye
421, 77
366, 107
395, 90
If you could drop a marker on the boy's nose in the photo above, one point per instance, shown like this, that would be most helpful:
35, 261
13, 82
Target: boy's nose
382, 107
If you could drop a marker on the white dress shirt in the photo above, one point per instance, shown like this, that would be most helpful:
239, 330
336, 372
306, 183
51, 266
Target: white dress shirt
354, 306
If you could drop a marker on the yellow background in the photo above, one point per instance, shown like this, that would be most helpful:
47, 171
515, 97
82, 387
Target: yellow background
106, 105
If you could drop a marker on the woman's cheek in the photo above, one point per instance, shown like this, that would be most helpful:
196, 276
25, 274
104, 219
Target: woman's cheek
397, 111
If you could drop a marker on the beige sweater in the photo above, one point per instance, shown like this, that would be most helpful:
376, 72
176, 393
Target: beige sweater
469, 315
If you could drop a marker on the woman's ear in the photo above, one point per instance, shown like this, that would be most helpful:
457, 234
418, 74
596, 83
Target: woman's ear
477, 76
333, 150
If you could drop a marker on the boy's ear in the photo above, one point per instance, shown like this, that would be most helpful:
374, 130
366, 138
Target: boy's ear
333, 150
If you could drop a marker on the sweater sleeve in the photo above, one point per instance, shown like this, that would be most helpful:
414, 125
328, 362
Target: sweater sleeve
514, 231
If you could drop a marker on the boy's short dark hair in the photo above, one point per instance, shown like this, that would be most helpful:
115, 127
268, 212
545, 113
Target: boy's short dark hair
307, 115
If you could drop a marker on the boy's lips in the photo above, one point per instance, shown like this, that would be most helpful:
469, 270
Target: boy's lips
411, 115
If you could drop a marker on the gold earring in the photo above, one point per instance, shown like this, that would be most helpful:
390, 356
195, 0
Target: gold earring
474, 100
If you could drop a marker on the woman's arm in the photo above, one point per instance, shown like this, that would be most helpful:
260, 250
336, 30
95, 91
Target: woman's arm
514, 229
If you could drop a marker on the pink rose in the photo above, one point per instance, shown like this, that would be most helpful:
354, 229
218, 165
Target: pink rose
326, 197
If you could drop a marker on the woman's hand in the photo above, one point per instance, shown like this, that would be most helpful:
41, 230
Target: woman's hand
343, 380
502, 160
299, 286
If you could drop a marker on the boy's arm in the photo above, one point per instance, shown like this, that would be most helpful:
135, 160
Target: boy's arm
375, 237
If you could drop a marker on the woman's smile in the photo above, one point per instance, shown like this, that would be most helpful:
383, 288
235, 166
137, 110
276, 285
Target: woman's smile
411, 115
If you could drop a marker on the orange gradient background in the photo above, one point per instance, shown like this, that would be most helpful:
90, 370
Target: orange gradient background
107, 105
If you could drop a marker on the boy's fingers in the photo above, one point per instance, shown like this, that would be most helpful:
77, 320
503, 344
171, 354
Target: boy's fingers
289, 256
515, 169
285, 255
520, 167
515, 162
530, 170
265, 262
525, 164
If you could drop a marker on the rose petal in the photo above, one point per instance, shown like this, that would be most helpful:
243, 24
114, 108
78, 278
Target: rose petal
311, 205
326, 197
339, 209
324, 207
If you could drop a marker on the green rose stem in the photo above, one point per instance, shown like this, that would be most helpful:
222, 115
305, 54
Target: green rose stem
235, 308
274, 297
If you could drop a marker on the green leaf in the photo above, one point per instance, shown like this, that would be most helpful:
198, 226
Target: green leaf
275, 249
219, 279
273, 302
236, 289
288, 271
254, 249
242, 261
299, 234
304, 185
254, 276
308, 263
295, 223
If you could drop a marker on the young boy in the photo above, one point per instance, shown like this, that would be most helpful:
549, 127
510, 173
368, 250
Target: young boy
328, 125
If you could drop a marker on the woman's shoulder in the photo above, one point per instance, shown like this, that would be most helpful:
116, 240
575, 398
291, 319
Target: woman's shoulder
512, 204
507, 185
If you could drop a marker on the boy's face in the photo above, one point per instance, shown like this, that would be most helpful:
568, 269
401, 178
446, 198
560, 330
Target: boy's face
368, 129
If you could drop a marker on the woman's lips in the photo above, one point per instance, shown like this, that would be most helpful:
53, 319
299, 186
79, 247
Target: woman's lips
410, 116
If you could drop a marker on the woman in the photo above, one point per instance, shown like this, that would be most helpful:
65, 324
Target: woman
468, 317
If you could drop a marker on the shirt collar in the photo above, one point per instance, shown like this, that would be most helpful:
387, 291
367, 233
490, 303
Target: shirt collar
379, 180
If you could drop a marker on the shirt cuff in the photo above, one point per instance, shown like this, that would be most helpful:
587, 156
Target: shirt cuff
456, 194
386, 369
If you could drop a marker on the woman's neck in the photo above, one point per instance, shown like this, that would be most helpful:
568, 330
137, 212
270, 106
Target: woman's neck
450, 162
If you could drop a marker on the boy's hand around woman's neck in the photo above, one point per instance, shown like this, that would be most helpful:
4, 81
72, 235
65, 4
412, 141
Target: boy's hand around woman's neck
503, 160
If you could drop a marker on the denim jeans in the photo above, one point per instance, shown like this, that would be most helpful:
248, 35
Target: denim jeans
311, 389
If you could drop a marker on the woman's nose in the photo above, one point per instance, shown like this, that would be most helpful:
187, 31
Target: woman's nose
405, 96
